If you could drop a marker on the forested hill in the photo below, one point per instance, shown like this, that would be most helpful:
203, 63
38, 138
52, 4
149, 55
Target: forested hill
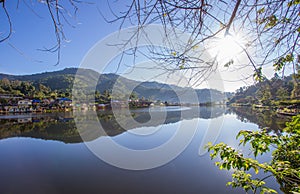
40, 76
61, 82
269, 91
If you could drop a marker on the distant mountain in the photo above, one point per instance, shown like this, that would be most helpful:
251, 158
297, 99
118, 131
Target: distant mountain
63, 80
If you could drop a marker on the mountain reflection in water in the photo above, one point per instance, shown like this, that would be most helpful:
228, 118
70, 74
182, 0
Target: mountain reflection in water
60, 126
268, 119
32, 165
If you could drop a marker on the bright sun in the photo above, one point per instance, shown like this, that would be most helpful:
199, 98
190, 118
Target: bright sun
227, 47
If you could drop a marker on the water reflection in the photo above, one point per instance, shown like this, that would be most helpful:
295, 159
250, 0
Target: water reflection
61, 126
56, 126
31, 165
263, 118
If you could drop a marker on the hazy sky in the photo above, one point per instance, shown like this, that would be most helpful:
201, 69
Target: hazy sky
33, 30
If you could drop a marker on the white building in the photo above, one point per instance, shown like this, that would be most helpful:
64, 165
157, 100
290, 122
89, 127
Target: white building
24, 103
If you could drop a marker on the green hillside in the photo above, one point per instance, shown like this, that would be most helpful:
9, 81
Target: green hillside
276, 91
61, 83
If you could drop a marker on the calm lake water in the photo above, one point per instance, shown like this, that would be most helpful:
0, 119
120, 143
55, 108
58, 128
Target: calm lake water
44, 153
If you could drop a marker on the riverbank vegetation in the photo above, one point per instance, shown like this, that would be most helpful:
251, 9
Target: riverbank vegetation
280, 93
284, 165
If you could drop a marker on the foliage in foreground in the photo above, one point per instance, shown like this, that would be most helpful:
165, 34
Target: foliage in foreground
284, 165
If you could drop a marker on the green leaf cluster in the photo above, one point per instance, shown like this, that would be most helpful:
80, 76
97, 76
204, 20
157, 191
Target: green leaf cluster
282, 61
258, 76
284, 164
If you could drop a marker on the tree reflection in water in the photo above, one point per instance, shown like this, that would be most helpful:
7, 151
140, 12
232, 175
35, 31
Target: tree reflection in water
62, 127
263, 118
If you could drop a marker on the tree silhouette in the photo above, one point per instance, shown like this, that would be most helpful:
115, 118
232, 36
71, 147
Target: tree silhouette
270, 29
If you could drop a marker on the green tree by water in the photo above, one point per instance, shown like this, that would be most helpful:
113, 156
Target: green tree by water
282, 93
284, 165
264, 95
106, 97
296, 84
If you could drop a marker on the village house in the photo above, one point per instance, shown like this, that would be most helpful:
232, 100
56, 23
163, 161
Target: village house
64, 102
24, 103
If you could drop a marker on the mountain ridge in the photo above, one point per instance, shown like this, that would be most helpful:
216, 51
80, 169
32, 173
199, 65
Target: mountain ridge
63, 80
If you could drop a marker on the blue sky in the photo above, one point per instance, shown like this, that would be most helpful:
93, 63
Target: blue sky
20, 54
33, 30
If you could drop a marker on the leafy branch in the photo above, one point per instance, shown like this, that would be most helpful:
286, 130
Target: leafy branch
284, 165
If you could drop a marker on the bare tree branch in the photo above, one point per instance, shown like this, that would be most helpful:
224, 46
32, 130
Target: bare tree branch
9, 22
270, 27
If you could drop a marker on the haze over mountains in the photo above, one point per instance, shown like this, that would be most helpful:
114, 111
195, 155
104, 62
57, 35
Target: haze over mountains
63, 80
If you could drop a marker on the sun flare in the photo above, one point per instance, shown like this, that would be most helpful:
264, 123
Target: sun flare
227, 47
